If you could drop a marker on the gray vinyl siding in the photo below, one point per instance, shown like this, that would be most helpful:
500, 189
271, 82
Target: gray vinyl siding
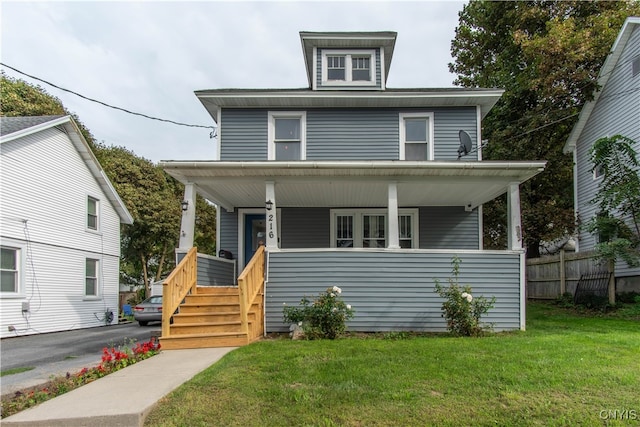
243, 135
213, 271
319, 84
448, 123
305, 228
216, 272
345, 134
617, 112
448, 227
393, 290
229, 232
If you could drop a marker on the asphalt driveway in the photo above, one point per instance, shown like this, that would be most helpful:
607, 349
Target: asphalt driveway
61, 352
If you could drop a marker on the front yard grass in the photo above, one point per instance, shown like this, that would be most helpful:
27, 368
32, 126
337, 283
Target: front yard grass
566, 369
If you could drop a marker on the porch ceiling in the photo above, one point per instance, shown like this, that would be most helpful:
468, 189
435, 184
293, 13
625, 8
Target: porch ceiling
351, 184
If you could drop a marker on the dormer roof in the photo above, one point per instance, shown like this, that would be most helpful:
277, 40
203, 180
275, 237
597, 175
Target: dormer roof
385, 40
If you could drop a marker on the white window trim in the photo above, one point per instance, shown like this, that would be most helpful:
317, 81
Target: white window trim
596, 176
271, 131
96, 295
430, 133
20, 265
348, 54
358, 215
98, 214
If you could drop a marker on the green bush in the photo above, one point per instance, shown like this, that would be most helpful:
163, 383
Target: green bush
323, 318
461, 309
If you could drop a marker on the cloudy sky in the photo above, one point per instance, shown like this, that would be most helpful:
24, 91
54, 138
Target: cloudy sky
149, 57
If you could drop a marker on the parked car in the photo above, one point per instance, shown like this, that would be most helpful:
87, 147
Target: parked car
149, 310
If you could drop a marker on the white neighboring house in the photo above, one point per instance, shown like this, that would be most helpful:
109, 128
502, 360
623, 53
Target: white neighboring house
615, 109
59, 229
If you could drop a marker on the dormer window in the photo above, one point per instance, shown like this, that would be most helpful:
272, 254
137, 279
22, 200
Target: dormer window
351, 68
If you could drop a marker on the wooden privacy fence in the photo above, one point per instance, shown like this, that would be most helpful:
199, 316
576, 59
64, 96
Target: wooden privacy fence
551, 276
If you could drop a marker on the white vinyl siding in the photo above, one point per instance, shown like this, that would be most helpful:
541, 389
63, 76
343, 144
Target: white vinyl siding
53, 226
369, 228
351, 68
9, 270
416, 136
287, 136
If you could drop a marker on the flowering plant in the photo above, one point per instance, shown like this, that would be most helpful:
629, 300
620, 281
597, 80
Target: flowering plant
325, 317
461, 309
113, 359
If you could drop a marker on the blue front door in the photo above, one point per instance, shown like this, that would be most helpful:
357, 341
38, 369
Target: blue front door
254, 235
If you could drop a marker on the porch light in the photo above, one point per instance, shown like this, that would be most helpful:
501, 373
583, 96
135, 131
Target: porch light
269, 205
185, 205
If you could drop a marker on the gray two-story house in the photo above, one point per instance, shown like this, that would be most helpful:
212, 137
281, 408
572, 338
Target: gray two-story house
348, 182
614, 110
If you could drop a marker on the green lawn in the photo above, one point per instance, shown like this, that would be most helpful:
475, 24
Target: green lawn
566, 369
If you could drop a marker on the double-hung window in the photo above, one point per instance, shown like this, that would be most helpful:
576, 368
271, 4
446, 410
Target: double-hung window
9, 270
416, 136
93, 206
287, 135
353, 68
369, 228
92, 267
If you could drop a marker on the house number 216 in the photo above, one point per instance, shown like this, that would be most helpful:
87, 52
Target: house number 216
270, 222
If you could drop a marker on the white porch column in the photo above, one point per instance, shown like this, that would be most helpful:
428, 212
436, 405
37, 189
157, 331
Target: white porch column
514, 238
188, 224
271, 215
394, 238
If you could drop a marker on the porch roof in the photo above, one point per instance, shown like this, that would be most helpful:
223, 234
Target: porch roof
351, 183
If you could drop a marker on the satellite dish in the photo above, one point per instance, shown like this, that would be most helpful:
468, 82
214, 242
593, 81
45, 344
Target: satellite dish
465, 144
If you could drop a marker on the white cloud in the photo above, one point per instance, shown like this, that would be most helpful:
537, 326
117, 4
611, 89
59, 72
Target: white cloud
149, 57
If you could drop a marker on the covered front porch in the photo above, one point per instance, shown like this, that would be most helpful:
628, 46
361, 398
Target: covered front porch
382, 230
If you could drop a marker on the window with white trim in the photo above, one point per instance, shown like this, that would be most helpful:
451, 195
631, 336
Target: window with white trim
416, 136
341, 67
287, 135
93, 206
91, 277
9, 270
598, 171
368, 228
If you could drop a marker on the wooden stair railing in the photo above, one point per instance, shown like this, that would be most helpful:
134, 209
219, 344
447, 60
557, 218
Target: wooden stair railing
251, 288
180, 283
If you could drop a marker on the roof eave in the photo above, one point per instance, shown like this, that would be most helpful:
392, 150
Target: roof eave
603, 76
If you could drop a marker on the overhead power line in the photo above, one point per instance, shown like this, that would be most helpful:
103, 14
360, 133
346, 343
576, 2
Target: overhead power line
146, 116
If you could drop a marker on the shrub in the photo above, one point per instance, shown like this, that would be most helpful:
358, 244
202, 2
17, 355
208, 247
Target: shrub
323, 318
461, 309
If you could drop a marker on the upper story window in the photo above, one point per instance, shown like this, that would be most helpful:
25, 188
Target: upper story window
598, 172
351, 68
93, 205
416, 136
287, 135
9, 269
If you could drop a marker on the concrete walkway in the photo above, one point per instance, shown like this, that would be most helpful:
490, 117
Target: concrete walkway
123, 398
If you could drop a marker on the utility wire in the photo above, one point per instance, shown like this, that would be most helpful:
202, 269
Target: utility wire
111, 106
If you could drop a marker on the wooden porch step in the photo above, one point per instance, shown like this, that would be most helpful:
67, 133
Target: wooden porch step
217, 290
210, 307
221, 316
207, 298
206, 328
228, 339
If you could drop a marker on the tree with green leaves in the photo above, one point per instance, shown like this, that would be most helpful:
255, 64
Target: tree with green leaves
151, 195
546, 55
618, 199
